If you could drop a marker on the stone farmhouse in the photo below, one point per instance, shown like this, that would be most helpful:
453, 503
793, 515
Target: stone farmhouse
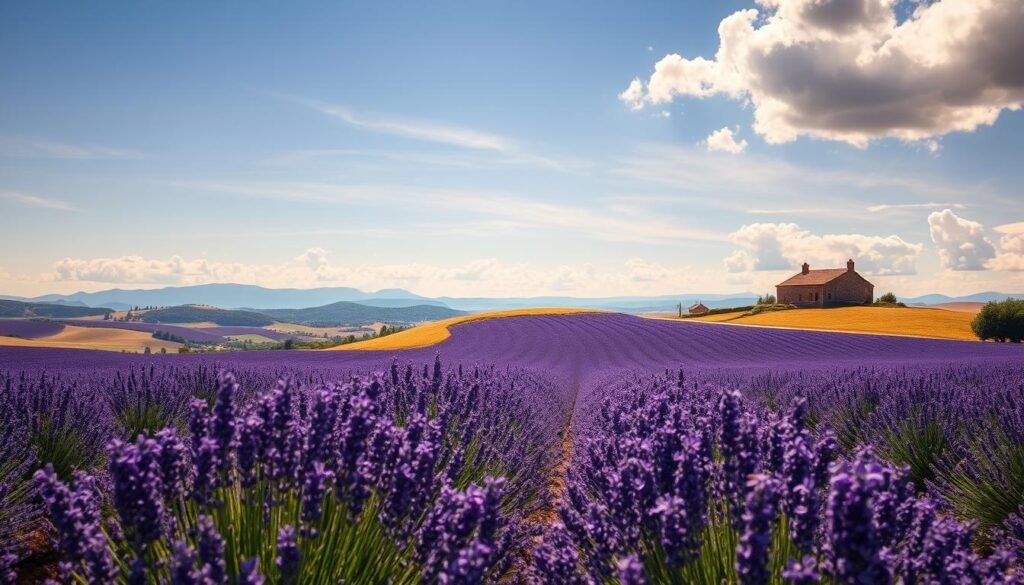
698, 308
826, 288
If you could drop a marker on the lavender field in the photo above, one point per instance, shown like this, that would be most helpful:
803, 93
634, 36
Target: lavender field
593, 448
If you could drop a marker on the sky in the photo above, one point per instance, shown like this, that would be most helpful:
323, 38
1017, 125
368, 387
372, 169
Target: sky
511, 148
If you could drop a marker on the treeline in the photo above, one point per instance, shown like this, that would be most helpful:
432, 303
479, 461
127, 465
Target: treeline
168, 336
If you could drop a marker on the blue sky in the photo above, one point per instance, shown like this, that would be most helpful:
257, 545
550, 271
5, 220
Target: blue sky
493, 149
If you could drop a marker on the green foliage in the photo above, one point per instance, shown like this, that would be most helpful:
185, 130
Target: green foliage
768, 299
888, 298
59, 447
1000, 321
918, 444
991, 488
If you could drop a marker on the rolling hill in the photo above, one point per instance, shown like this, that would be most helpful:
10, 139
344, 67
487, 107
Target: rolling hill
20, 309
194, 314
347, 313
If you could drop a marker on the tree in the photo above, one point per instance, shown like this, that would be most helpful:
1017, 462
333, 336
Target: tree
148, 350
163, 350
888, 298
1002, 321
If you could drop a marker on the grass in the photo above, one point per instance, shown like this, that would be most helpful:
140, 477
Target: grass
433, 333
921, 322
74, 337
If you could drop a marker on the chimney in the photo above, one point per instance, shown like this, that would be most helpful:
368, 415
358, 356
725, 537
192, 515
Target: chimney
849, 265
806, 268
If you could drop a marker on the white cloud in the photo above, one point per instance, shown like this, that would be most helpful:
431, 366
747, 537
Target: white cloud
619, 224
724, 140
633, 95
1011, 248
34, 201
847, 70
929, 205
14, 147
139, 270
416, 130
481, 277
780, 246
1011, 228
961, 243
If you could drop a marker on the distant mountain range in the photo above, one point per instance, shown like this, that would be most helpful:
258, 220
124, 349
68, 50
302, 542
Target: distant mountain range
236, 296
982, 297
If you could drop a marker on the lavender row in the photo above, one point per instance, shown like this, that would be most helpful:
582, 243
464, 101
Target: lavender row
29, 328
391, 464
677, 481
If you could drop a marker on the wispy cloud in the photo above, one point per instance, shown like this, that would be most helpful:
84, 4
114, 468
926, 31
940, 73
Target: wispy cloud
929, 205
511, 152
613, 223
418, 130
34, 201
15, 147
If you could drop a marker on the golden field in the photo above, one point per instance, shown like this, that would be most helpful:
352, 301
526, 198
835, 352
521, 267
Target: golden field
915, 321
73, 337
437, 331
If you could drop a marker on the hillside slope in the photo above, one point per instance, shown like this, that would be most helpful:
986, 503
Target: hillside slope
922, 322
194, 314
346, 313
18, 309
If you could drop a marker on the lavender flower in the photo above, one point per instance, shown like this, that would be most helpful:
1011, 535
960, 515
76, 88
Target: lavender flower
631, 571
758, 517
288, 555
211, 552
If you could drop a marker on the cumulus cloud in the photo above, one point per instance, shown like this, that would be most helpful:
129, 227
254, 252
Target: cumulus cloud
961, 243
633, 95
779, 246
1011, 248
848, 70
724, 140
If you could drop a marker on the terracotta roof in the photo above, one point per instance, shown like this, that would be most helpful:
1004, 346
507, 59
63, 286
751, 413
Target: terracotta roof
814, 277
697, 306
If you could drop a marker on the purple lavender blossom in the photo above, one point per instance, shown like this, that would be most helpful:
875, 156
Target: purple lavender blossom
631, 571
288, 556
755, 541
211, 551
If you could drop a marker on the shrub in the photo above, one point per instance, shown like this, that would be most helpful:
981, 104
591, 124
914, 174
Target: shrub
888, 298
1001, 321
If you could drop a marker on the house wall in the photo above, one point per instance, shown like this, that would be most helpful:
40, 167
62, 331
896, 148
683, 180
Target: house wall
801, 295
849, 288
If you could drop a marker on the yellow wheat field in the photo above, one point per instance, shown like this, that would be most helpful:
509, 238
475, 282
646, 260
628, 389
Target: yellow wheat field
73, 337
921, 322
437, 331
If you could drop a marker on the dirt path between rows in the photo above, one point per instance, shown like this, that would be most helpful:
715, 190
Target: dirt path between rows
548, 513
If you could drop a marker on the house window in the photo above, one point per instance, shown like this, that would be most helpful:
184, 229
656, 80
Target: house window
815, 297
830, 296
